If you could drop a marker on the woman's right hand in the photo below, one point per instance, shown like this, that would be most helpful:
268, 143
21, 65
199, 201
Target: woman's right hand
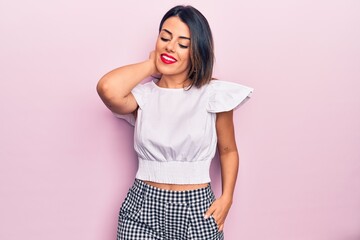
152, 59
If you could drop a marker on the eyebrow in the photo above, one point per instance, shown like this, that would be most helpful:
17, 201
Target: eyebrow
182, 37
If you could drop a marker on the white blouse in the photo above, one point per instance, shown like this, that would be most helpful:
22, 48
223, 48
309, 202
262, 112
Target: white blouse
175, 133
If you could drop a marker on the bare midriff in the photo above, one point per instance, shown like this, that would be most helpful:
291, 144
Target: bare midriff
177, 187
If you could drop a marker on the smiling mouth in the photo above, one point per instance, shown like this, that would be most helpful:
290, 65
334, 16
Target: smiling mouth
167, 59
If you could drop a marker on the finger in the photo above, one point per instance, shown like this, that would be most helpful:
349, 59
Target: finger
209, 212
221, 227
219, 222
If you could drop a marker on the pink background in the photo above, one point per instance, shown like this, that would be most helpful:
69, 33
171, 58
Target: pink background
67, 163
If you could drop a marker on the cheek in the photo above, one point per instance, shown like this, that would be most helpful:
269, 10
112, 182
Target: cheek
185, 57
158, 50
157, 45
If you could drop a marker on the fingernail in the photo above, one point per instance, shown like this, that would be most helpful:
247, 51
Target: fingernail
206, 216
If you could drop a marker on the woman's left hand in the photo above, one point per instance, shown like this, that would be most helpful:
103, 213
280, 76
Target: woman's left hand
219, 211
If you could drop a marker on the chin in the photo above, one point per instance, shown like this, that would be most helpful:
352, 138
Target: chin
165, 71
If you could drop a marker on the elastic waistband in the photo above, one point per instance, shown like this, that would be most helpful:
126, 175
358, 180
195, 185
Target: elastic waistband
175, 172
142, 189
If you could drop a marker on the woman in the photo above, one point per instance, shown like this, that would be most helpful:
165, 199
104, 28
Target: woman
180, 118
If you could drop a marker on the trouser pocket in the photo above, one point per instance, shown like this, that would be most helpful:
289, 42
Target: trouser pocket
200, 227
130, 209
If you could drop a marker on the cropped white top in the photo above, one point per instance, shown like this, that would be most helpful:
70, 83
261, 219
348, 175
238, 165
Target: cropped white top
175, 133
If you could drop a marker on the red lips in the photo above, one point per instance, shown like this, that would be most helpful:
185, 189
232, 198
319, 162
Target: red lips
167, 59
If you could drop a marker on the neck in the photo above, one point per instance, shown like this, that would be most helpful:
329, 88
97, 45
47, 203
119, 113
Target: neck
171, 82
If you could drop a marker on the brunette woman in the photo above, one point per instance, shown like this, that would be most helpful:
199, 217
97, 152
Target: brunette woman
180, 119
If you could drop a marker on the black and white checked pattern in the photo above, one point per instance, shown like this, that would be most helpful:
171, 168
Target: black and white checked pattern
150, 213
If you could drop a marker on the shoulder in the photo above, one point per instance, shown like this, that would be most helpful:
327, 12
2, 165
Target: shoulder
221, 85
144, 87
141, 92
225, 96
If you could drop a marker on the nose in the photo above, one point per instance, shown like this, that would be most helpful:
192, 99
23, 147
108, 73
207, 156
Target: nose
170, 47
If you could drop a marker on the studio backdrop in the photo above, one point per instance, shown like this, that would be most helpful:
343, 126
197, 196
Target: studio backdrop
67, 163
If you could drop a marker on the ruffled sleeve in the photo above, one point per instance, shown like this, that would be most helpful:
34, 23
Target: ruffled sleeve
225, 96
139, 92
130, 118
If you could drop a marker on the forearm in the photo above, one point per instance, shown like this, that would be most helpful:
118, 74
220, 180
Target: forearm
229, 170
229, 161
114, 87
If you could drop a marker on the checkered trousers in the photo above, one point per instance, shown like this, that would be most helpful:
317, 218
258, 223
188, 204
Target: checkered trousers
150, 213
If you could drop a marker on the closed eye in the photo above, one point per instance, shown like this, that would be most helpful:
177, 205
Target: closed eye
165, 39
182, 46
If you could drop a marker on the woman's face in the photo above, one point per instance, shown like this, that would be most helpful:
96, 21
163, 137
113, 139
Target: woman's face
173, 48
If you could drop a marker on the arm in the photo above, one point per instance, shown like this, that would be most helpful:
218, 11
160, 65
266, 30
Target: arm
229, 160
115, 87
